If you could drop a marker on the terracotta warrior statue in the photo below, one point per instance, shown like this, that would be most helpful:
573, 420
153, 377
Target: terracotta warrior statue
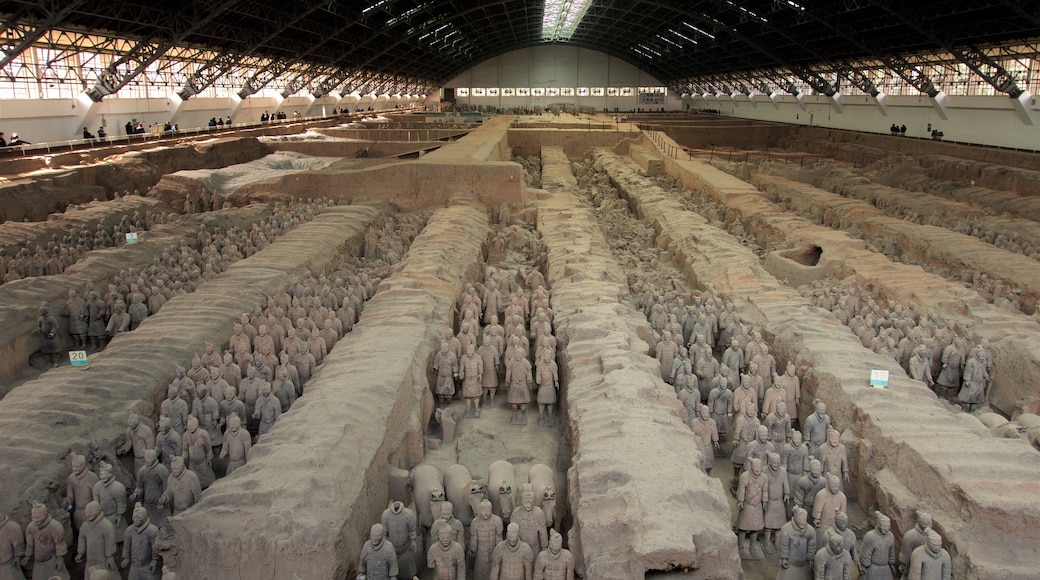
832, 562
797, 547
531, 520
518, 380
512, 559
151, 485
182, 489
198, 452
931, 561
555, 563
237, 442
45, 545
471, 372
913, 539
111, 496
485, 532
446, 557
401, 529
877, 557
378, 560
12, 549
752, 499
97, 542
138, 543
79, 489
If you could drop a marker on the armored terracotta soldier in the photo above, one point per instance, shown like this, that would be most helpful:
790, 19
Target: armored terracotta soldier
12, 549
97, 543
167, 442
198, 452
832, 562
829, 501
489, 379
45, 545
378, 561
268, 409
447, 519
548, 380
752, 499
182, 488
816, 427
79, 489
139, 554
877, 556
809, 485
283, 389
720, 405
111, 496
401, 529
531, 520
914, 538
778, 424
485, 532
138, 438
237, 442
446, 365
512, 559
706, 431
796, 547
931, 561
795, 457
47, 327
175, 408
76, 312
151, 485
446, 557
185, 388
471, 372
779, 497
518, 380
554, 563
206, 412
834, 457
230, 406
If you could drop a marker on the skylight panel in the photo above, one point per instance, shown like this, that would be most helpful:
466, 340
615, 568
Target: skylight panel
561, 18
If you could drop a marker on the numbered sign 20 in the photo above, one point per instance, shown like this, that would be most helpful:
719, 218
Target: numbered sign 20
78, 358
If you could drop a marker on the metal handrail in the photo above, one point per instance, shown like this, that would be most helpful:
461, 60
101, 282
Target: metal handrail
48, 147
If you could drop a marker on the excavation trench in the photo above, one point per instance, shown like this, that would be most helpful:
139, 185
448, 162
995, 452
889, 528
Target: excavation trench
135, 369
362, 418
639, 500
20, 299
898, 438
1016, 366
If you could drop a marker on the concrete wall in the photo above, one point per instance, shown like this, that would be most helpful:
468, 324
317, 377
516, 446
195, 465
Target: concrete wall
557, 65
981, 120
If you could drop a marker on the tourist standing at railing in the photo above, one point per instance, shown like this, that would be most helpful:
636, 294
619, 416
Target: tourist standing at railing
87, 134
101, 133
17, 141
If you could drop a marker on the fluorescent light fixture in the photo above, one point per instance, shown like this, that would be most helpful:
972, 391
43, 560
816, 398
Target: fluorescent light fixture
692, 27
561, 18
